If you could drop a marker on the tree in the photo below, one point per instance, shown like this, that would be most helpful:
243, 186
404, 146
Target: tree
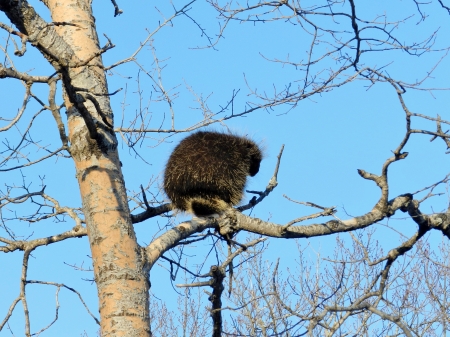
362, 290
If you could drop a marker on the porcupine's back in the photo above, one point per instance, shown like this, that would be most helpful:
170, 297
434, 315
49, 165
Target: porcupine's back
207, 171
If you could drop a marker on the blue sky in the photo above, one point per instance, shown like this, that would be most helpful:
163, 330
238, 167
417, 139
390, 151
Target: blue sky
327, 138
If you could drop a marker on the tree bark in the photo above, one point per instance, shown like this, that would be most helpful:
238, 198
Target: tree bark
71, 45
122, 280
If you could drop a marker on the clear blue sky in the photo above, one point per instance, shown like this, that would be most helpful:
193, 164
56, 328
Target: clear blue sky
327, 138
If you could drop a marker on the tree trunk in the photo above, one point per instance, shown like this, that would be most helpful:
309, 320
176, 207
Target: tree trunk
118, 263
71, 45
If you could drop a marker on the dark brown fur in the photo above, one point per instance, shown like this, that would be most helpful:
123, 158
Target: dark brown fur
207, 171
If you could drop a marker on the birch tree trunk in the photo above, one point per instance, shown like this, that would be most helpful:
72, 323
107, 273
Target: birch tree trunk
71, 45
